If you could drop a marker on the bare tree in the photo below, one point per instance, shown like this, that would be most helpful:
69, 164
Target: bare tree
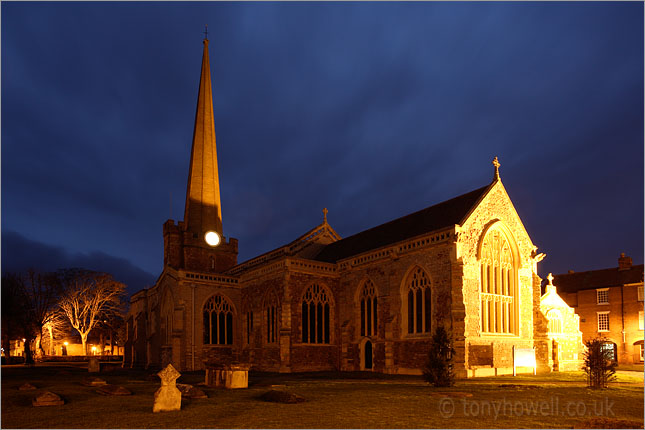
52, 328
89, 298
32, 298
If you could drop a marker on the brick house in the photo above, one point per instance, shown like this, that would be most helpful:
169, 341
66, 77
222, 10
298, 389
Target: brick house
366, 302
609, 303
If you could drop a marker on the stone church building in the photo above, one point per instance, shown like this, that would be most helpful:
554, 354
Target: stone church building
321, 302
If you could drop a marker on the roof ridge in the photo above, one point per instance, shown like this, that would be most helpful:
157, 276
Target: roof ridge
416, 212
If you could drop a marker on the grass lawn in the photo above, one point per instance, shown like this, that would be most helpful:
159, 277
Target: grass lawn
356, 400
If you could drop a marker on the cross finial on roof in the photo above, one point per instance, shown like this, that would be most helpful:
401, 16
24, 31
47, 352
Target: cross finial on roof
550, 278
325, 215
205, 31
496, 164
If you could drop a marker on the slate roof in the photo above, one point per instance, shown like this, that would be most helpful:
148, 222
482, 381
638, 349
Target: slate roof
592, 279
441, 215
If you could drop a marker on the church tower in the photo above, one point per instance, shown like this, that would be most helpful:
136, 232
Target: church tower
198, 243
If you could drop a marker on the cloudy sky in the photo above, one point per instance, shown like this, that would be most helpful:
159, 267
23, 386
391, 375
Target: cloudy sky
373, 110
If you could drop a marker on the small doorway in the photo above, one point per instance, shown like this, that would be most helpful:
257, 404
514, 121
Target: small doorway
556, 356
368, 355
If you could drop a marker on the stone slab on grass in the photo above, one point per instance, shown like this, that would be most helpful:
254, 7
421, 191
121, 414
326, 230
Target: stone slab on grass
93, 382
47, 398
450, 394
27, 386
190, 392
113, 390
281, 396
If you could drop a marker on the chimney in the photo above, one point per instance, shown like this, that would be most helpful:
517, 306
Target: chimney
624, 263
571, 271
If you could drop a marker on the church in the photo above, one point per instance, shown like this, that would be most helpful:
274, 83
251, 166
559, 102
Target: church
367, 302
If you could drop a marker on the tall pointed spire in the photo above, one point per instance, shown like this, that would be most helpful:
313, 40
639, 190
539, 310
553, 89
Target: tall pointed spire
203, 208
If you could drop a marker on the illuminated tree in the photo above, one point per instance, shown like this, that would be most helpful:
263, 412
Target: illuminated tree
90, 298
53, 328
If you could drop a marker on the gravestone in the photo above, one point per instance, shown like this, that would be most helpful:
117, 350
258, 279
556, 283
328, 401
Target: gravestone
26, 386
113, 390
47, 398
94, 366
168, 396
93, 382
190, 392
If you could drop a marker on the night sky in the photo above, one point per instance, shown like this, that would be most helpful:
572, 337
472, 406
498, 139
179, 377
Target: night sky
373, 110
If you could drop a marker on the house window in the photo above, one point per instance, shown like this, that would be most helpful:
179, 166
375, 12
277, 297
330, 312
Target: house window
640, 293
498, 284
609, 348
603, 296
642, 345
249, 326
555, 321
640, 320
315, 315
369, 324
419, 308
218, 321
603, 321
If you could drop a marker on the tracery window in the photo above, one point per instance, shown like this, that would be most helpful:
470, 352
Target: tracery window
218, 321
249, 326
418, 302
315, 315
555, 321
498, 284
369, 323
271, 318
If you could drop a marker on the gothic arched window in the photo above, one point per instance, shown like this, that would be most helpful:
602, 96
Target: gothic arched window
271, 309
419, 308
315, 315
369, 324
555, 321
218, 321
498, 284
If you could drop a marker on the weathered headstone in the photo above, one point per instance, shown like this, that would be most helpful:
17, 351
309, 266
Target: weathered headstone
190, 392
113, 390
93, 382
168, 396
47, 398
26, 386
94, 365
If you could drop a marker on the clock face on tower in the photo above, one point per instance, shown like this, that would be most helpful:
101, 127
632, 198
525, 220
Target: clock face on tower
212, 238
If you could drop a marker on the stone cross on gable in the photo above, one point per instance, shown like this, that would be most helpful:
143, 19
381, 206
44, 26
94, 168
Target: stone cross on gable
550, 278
325, 215
496, 164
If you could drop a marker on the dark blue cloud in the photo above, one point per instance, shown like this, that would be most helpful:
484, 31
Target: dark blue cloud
373, 110
20, 254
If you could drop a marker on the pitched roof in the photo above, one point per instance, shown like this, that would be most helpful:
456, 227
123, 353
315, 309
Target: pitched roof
592, 279
304, 246
441, 215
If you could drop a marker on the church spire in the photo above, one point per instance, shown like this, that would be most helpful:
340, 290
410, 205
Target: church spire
203, 208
